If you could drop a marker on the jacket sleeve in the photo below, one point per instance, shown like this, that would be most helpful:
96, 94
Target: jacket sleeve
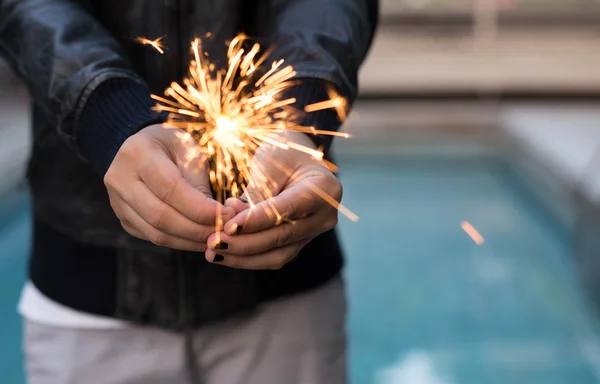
76, 74
326, 41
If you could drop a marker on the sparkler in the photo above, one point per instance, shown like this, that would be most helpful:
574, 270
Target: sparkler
230, 113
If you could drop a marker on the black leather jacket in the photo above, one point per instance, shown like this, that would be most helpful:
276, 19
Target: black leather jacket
64, 50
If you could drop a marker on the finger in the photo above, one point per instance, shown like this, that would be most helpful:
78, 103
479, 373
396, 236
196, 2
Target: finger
294, 202
166, 181
143, 230
164, 218
274, 237
274, 259
133, 231
238, 204
194, 168
266, 177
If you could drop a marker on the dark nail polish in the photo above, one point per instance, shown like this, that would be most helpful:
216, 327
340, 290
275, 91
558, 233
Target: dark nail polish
222, 245
239, 229
218, 259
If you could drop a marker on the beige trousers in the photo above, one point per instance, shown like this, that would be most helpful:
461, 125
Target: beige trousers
296, 340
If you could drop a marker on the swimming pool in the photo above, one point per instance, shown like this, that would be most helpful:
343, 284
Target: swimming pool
428, 305
14, 238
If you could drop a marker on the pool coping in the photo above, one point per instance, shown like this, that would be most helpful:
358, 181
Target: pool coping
569, 197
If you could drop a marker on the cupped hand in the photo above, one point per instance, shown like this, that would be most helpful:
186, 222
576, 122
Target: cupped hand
161, 196
267, 233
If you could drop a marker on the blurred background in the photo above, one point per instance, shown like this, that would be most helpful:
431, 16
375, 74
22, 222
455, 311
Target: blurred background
475, 168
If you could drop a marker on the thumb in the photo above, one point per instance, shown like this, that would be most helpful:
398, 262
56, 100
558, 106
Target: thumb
239, 204
194, 168
266, 182
267, 178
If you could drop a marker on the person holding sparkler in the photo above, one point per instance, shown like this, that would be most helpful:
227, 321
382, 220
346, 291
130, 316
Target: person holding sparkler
130, 187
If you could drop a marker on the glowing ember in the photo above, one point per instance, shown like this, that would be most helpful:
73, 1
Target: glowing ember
156, 44
472, 232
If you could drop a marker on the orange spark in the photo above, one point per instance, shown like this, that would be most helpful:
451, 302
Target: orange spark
156, 44
472, 232
335, 101
342, 106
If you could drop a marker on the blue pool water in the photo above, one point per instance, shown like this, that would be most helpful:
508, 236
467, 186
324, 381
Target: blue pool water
14, 240
428, 306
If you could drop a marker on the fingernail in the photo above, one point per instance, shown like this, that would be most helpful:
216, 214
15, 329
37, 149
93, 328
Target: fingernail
221, 245
243, 199
218, 259
239, 229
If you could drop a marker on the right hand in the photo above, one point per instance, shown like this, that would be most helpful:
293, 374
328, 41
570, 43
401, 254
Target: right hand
161, 196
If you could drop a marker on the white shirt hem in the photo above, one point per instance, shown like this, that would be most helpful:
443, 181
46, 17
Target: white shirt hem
37, 307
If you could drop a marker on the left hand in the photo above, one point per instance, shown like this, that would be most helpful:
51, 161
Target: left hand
258, 239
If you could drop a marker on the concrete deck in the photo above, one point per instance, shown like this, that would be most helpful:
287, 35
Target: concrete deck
554, 60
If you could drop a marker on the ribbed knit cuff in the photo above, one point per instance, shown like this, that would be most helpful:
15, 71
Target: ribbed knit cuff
311, 91
115, 110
